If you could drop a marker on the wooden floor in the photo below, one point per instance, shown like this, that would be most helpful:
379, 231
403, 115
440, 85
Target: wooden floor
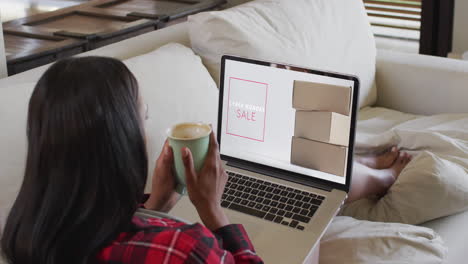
13, 9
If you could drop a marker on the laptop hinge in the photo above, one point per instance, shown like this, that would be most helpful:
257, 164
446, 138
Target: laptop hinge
278, 175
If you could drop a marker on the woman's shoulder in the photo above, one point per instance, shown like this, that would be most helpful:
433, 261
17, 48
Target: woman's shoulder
156, 238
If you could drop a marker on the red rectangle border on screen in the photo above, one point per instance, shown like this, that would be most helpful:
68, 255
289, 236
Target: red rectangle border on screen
228, 104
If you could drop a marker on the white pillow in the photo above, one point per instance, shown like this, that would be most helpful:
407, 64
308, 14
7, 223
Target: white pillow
177, 88
431, 186
348, 240
330, 35
14, 101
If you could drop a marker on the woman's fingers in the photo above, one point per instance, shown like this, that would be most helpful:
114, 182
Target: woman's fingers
190, 173
163, 182
213, 148
213, 157
166, 158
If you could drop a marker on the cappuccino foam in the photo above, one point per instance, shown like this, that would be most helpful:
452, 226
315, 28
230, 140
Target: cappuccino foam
190, 131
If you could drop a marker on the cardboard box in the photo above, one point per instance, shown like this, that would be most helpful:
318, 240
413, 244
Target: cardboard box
319, 156
322, 97
328, 127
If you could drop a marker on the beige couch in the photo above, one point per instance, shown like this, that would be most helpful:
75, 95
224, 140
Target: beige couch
401, 78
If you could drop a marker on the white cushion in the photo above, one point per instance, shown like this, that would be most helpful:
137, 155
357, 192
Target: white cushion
14, 101
177, 88
403, 78
330, 35
348, 240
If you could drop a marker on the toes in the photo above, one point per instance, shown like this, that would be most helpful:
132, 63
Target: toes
404, 158
390, 157
408, 157
401, 158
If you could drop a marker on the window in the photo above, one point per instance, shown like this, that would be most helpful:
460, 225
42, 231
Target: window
424, 26
395, 19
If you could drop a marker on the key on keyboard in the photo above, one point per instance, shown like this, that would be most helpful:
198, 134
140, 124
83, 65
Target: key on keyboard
270, 201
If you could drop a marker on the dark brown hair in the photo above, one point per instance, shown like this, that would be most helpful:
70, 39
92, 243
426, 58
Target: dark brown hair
86, 166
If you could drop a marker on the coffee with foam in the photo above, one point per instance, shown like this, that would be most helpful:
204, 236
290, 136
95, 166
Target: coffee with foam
194, 136
189, 131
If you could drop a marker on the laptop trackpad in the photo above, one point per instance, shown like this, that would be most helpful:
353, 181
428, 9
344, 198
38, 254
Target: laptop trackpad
186, 211
253, 225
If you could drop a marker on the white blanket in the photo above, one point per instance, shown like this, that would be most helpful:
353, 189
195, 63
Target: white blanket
445, 134
362, 242
434, 184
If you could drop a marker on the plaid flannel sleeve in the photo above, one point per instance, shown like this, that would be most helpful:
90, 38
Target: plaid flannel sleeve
232, 246
234, 239
228, 245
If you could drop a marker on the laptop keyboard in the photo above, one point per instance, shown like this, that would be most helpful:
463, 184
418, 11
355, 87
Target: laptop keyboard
269, 201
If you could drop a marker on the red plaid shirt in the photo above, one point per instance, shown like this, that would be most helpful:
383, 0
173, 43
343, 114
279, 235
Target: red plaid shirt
160, 240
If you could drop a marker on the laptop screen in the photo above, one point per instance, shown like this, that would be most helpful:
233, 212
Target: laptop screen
287, 118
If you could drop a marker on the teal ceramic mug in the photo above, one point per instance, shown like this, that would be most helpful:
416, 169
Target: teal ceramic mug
194, 136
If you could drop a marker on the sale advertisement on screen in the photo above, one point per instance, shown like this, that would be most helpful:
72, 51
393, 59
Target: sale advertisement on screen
259, 123
246, 115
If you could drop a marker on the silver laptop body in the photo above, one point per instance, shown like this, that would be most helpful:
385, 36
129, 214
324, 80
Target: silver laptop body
285, 208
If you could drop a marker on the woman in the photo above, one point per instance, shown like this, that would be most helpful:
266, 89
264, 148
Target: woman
85, 175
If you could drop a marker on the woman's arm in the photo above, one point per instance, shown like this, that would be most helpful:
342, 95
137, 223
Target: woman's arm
205, 189
234, 239
228, 244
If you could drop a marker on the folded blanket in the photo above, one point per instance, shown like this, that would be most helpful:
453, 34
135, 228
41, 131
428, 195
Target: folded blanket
434, 183
354, 241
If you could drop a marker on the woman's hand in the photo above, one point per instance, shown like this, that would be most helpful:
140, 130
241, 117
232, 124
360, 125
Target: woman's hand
163, 196
206, 187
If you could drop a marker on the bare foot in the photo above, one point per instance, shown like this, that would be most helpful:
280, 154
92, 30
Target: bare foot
373, 182
387, 177
382, 161
399, 164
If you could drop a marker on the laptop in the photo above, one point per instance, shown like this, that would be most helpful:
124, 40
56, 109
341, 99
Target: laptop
287, 146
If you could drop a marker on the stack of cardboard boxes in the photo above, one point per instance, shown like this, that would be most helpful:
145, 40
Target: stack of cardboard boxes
321, 133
